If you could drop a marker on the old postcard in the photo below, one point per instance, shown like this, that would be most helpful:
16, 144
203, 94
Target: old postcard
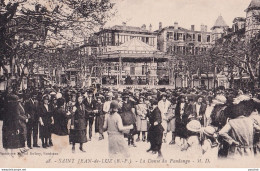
130, 83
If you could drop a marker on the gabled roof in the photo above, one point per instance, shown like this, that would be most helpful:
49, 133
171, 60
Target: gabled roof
136, 45
220, 22
255, 4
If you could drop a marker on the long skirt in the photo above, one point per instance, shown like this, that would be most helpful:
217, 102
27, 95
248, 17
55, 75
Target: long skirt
181, 130
141, 124
155, 136
45, 131
12, 140
117, 146
78, 136
99, 122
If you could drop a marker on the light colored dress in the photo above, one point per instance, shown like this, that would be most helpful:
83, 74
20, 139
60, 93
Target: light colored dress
240, 130
117, 146
141, 119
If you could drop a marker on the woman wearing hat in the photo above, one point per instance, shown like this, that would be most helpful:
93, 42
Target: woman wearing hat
114, 126
13, 131
164, 105
181, 120
210, 146
141, 118
60, 117
128, 117
193, 146
69, 107
78, 125
46, 120
155, 132
100, 117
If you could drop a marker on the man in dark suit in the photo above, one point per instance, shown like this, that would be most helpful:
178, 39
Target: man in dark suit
89, 103
31, 109
199, 109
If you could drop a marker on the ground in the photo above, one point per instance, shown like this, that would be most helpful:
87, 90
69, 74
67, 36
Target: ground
96, 155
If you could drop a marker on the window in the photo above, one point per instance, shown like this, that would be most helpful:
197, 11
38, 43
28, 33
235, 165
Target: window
170, 35
199, 38
188, 37
193, 37
144, 69
179, 37
147, 40
175, 36
208, 38
132, 70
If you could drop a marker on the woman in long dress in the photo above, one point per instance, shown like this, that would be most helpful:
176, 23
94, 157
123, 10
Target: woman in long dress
141, 118
60, 129
78, 125
14, 134
100, 117
114, 126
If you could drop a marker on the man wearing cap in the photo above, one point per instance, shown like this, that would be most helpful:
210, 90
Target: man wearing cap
31, 109
46, 120
89, 103
163, 106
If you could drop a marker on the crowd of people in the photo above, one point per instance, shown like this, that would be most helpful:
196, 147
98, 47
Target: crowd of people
217, 125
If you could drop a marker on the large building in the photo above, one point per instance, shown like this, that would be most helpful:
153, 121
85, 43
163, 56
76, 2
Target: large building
175, 39
109, 38
252, 18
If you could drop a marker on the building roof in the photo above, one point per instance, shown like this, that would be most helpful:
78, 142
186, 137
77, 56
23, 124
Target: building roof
172, 27
134, 50
136, 45
255, 4
220, 22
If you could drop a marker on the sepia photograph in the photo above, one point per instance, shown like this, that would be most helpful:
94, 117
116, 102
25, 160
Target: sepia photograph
130, 84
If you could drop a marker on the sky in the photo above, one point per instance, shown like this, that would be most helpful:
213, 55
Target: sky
185, 12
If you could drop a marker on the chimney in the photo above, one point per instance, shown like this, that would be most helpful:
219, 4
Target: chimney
143, 27
202, 27
124, 25
176, 26
150, 27
160, 25
192, 27
206, 28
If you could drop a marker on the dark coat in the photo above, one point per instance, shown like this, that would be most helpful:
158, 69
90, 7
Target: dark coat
32, 110
13, 120
78, 120
60, 121
89, 107
155, 132
181, 121
22, 122
45, 131
100, 118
